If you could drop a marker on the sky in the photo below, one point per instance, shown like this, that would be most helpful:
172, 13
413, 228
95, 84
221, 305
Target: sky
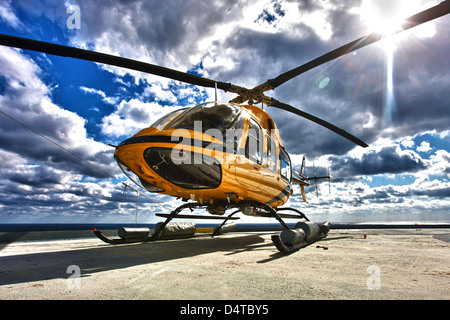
394, 95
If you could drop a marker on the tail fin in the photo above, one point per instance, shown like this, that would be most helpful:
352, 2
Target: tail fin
304, 181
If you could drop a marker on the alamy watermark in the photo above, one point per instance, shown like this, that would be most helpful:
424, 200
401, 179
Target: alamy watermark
374, 280
73, 281
227, 142
74, 20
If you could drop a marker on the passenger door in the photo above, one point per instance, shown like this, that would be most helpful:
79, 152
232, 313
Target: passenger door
248, 165
270, 178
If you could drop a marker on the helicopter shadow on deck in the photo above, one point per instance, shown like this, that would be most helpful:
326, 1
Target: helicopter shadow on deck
40, 266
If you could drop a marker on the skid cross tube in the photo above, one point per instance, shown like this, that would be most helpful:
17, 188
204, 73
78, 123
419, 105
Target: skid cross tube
216, 232
271, 211
158, 231
302, 215
192, 205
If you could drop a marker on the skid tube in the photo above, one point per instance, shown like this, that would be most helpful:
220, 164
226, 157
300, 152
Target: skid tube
289, 248
303, 234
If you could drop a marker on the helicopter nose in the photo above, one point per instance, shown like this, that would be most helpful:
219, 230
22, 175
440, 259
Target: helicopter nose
133, 176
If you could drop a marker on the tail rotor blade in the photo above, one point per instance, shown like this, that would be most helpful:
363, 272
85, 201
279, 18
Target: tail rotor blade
302, 169
329, 181
315, 181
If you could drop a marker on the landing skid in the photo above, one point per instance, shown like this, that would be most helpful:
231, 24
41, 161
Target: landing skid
289, 240
287, 247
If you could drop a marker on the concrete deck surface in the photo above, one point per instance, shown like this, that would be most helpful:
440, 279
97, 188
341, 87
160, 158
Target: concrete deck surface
348, 264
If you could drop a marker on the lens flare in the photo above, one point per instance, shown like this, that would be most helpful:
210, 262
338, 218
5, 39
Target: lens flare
389, 102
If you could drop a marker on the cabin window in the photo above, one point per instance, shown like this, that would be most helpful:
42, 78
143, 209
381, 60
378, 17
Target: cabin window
271, 152
253, 147
285, 163
164, 121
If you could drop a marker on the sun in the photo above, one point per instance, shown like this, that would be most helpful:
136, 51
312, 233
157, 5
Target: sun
386, 17
382, 16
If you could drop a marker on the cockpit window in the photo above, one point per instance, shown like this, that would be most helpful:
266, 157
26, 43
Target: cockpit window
209, 116
161, 123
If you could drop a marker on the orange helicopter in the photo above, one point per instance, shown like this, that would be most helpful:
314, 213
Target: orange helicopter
220, 155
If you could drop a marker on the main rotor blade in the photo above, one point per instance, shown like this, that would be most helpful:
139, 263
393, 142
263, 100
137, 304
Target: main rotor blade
65, 51
430, 14
339, 131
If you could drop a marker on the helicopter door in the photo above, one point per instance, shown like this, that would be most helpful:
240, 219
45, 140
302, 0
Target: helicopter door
270, 182
248, 166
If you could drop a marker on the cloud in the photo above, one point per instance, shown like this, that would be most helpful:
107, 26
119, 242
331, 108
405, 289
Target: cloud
27, 99
245, 43
158, 32
132, 116
100, 93
7, 15
390, 179
231, 43
384, 160
424, 147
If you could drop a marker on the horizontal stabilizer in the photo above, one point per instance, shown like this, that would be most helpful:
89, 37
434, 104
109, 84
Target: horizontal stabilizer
299, 178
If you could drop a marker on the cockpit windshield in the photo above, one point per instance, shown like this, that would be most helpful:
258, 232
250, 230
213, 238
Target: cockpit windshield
210, 116
161, 123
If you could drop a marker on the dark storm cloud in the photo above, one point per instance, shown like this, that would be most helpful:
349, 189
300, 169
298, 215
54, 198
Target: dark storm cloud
30, 105
422, 93
351, 90
441, 193
170, 31
387, 160
42, 190
355, 87
35, 148
42, 177
166, 31
259, 56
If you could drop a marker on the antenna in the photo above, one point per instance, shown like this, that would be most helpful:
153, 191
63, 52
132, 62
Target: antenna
315, 177
215, 92
329, 181
315, 180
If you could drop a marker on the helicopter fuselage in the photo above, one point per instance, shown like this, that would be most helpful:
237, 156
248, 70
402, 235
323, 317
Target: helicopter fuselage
211, 153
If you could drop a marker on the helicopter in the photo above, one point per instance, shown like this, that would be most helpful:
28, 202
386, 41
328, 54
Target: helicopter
221, 155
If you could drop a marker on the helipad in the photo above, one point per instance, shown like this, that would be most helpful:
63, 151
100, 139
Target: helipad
348, 264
